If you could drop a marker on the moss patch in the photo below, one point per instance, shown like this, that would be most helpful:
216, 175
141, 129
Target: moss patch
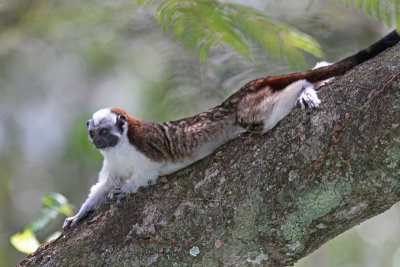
312, 204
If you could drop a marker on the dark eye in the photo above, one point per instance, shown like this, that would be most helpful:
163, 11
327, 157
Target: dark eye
103, 131
91, 134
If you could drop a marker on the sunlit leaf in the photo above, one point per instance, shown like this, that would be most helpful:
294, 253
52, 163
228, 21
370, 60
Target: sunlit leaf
67, 210
51, 200
53, 204
25, 242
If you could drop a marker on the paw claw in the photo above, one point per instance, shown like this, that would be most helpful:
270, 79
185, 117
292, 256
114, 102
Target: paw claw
300, 103
67, 224
70, 223
120, 193
121, 197
114, 192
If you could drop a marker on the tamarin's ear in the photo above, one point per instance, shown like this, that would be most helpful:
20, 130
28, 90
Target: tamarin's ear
87, 123
121, 119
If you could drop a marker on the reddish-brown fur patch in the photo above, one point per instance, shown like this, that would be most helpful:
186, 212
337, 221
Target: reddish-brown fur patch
144, 135
132, 121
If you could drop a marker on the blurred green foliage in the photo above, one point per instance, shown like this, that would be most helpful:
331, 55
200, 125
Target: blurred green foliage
53, 204
387, 11
202, 24
78, 147
198, 24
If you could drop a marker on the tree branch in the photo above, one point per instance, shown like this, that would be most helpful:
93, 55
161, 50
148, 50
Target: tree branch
267, 200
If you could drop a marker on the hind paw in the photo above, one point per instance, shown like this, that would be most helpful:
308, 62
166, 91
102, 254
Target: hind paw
308, 97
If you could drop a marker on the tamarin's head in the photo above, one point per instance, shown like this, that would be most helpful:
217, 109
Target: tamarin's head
106, 127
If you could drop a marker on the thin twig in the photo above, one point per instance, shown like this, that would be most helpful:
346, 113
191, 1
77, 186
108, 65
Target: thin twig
380, 90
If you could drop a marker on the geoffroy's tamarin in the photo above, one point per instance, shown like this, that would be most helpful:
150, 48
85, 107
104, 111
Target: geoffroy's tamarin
136, 152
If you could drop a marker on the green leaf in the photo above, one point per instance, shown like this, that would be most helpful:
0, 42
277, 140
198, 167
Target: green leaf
52, 205
54, 200
67, 210
26, 241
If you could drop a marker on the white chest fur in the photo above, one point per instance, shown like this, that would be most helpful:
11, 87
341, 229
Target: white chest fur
124, 162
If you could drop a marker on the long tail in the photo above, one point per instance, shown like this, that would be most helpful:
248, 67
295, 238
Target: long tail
339, 68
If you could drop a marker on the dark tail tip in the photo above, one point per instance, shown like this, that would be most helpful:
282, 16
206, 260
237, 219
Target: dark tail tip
389, 40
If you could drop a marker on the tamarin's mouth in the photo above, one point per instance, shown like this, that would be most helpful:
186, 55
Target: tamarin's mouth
101, 143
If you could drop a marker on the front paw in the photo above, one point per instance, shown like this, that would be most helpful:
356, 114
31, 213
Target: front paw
120, 193
114, 192
71, 222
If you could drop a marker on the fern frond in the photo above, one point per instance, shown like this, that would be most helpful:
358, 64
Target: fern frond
397, 14
202, 24
279, 39
387, 11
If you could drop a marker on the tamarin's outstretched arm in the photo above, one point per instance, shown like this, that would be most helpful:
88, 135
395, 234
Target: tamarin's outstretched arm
136, 152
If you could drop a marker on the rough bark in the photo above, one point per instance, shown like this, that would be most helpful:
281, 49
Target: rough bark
260, 200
